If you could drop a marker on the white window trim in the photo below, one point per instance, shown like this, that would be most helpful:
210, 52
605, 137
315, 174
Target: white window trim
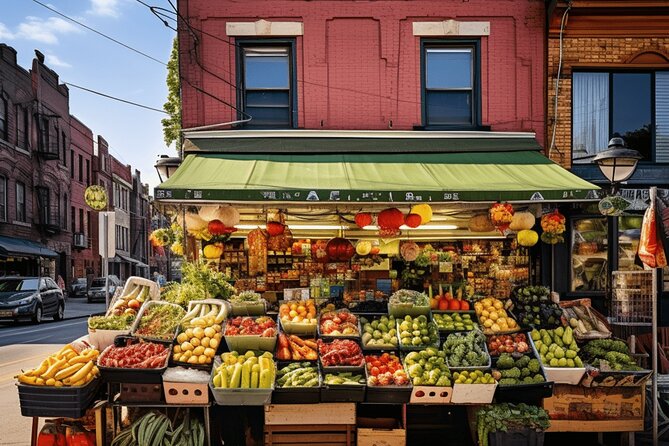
451, 28
264, 28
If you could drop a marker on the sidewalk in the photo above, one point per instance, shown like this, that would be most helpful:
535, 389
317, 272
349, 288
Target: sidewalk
79, 307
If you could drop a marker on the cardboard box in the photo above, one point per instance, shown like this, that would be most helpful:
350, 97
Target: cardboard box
595, 403
473, 393
380, 432
323, 413
431, 395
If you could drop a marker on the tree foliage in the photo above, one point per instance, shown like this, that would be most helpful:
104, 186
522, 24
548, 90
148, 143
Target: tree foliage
172, 124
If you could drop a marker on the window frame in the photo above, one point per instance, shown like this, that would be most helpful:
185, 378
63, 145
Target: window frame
4, 118
44, 208
653, 104
3, 198
475, 45
20, 206
288, 43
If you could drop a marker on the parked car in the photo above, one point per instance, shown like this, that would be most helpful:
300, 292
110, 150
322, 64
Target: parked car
78, 287
30, 298
97, 289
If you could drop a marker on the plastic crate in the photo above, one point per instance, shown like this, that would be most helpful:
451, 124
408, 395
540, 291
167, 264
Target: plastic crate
154, 291
169, 337
343, 393
297, 395
247, 308
133, 375
241, 397
102, 339
516, 438
186, 393
141, 393
56, 402
401, 310
411, 347
244, 343
355, 336
298, 328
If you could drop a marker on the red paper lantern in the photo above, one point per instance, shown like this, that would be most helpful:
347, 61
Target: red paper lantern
339, 249
363, 219
274, 228
391, 218
413, 220
216, 227
318, 252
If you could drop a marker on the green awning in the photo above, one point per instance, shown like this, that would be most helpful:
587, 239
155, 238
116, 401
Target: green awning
20, 247
373, 177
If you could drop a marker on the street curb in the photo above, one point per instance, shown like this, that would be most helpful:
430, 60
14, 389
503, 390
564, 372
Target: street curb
83, 316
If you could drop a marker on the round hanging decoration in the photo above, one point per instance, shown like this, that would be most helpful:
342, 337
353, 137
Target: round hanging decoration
522, 220
318, 252
216, 227
553, 225
501, 215
425, 212
213, 251
363, 219
194, 222
480, 223
363, 247
96, 197
339, 249
527, 237
409, 251
228, 215
391, 218
274, 228
209, 212
413, 220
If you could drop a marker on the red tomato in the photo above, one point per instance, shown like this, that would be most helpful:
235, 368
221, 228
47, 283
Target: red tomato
383, 368
375, 371
376, 363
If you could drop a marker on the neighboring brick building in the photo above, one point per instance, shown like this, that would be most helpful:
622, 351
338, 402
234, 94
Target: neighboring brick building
362, 65
614, 81
140, 225
121, 187
80, 219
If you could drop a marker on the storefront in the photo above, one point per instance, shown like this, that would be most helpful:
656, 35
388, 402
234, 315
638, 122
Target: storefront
26, 258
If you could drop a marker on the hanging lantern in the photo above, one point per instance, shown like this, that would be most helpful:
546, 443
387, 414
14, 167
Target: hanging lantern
501, 215
480, 223
229, 216
363, 247
339, 249
522, 220
409, 251
318, 252
425, 212
527, 237
274, 228
553, 225
363, 219
413, 220
216, 227
391, 218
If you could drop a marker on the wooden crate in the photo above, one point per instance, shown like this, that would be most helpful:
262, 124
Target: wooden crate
312, 434
312, 414
595, 404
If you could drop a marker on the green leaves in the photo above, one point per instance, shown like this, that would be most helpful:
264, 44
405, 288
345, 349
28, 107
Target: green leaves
172, 124
502, 417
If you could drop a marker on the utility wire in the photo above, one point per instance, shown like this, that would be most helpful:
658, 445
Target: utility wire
99, 33
115, 98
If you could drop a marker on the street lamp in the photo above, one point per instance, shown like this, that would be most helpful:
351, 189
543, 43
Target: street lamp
618, 162
166, 166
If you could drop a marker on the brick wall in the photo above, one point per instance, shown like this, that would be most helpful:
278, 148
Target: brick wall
358, 63
591, 52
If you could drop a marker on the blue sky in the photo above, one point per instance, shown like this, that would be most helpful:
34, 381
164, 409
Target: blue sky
84, 58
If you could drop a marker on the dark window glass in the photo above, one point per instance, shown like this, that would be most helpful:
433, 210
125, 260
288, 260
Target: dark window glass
267, 86
88, 173
4, 124
64, 216
81, 168
631, 110
43, 204
9, 285
44, 134
81, 220
71, 163
3, 198
73, 219
20, 201
449, 86
63, 140
26, 128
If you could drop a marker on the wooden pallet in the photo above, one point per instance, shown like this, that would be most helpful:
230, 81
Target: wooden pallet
315, 434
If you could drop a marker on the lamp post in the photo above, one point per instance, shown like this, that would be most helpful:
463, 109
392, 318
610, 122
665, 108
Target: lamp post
618, 162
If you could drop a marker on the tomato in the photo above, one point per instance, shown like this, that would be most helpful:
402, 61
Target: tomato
375, 371
376, 363
383, 368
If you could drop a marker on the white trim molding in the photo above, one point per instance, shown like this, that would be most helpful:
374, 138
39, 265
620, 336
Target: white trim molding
264, 28
451, 28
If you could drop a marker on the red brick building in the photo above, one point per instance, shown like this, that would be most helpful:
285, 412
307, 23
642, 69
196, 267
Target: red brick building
102, 176
365, 65
122, 263
80, 218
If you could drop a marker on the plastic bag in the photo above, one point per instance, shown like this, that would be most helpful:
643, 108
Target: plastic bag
651, 251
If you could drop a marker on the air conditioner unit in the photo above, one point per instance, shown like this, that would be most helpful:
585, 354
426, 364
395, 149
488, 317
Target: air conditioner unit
80, 240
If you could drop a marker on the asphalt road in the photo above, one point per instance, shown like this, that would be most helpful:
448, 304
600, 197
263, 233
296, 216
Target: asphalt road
49, 332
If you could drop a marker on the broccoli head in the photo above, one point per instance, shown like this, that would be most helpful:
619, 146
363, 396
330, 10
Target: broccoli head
505, 361
508, 382
522, 361
528, 380
534, 365
538, 378
511, 373
525, 372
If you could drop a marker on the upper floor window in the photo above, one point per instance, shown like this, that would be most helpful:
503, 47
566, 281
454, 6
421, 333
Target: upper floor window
634, 105
44, 205
44, 135
81, 168
63, 141
20, 201
72, 164
26, 128
266, 81
451, 96
3, 198
4, 118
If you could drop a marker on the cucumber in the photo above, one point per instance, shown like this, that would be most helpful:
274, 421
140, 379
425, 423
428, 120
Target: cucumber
236, 379
265, 379
255, 379
246, 375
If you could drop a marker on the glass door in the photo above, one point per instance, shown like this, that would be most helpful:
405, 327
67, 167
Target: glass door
589, 254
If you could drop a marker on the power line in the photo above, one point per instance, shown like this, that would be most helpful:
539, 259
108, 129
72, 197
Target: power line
115, 98
99, 33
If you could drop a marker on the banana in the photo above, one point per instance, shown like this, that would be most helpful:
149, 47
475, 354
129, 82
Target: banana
222, 314
27, 379
54, 368
68, 371
80, 374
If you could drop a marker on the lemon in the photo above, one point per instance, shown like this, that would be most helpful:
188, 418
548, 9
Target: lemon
182, 338
186, 355
192, 360
189, 333
209, 352
209, 332
198, 332
176, 356
205, 342
197, 351
195, 342
177, 349
213, 343
186, 346
202, 359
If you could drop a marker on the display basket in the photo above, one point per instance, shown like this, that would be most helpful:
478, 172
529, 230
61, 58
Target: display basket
340, 368
248, 308
343, 393
411, 347
475, 367
131, 282
632, 297
168, 337
559, 375
133, 375
473, 393
355, 336
391, 394
102, 339
237, 396
377, 347
298, 328
244, 343
586, 306
57, 402
471, 313
399, 310
431, 395
297, 395
527, 437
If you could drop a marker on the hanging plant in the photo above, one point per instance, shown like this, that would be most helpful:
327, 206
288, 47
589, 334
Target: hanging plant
425, 212
501, 215
363, 219
413, 220
553, 225
527, 237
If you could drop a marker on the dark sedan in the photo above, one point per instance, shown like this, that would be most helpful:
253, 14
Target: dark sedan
97, 289
78, 288
31, 298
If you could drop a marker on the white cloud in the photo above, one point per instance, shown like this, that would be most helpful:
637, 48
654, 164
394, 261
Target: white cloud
54, 61
45, 31
108, 8
5, 33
